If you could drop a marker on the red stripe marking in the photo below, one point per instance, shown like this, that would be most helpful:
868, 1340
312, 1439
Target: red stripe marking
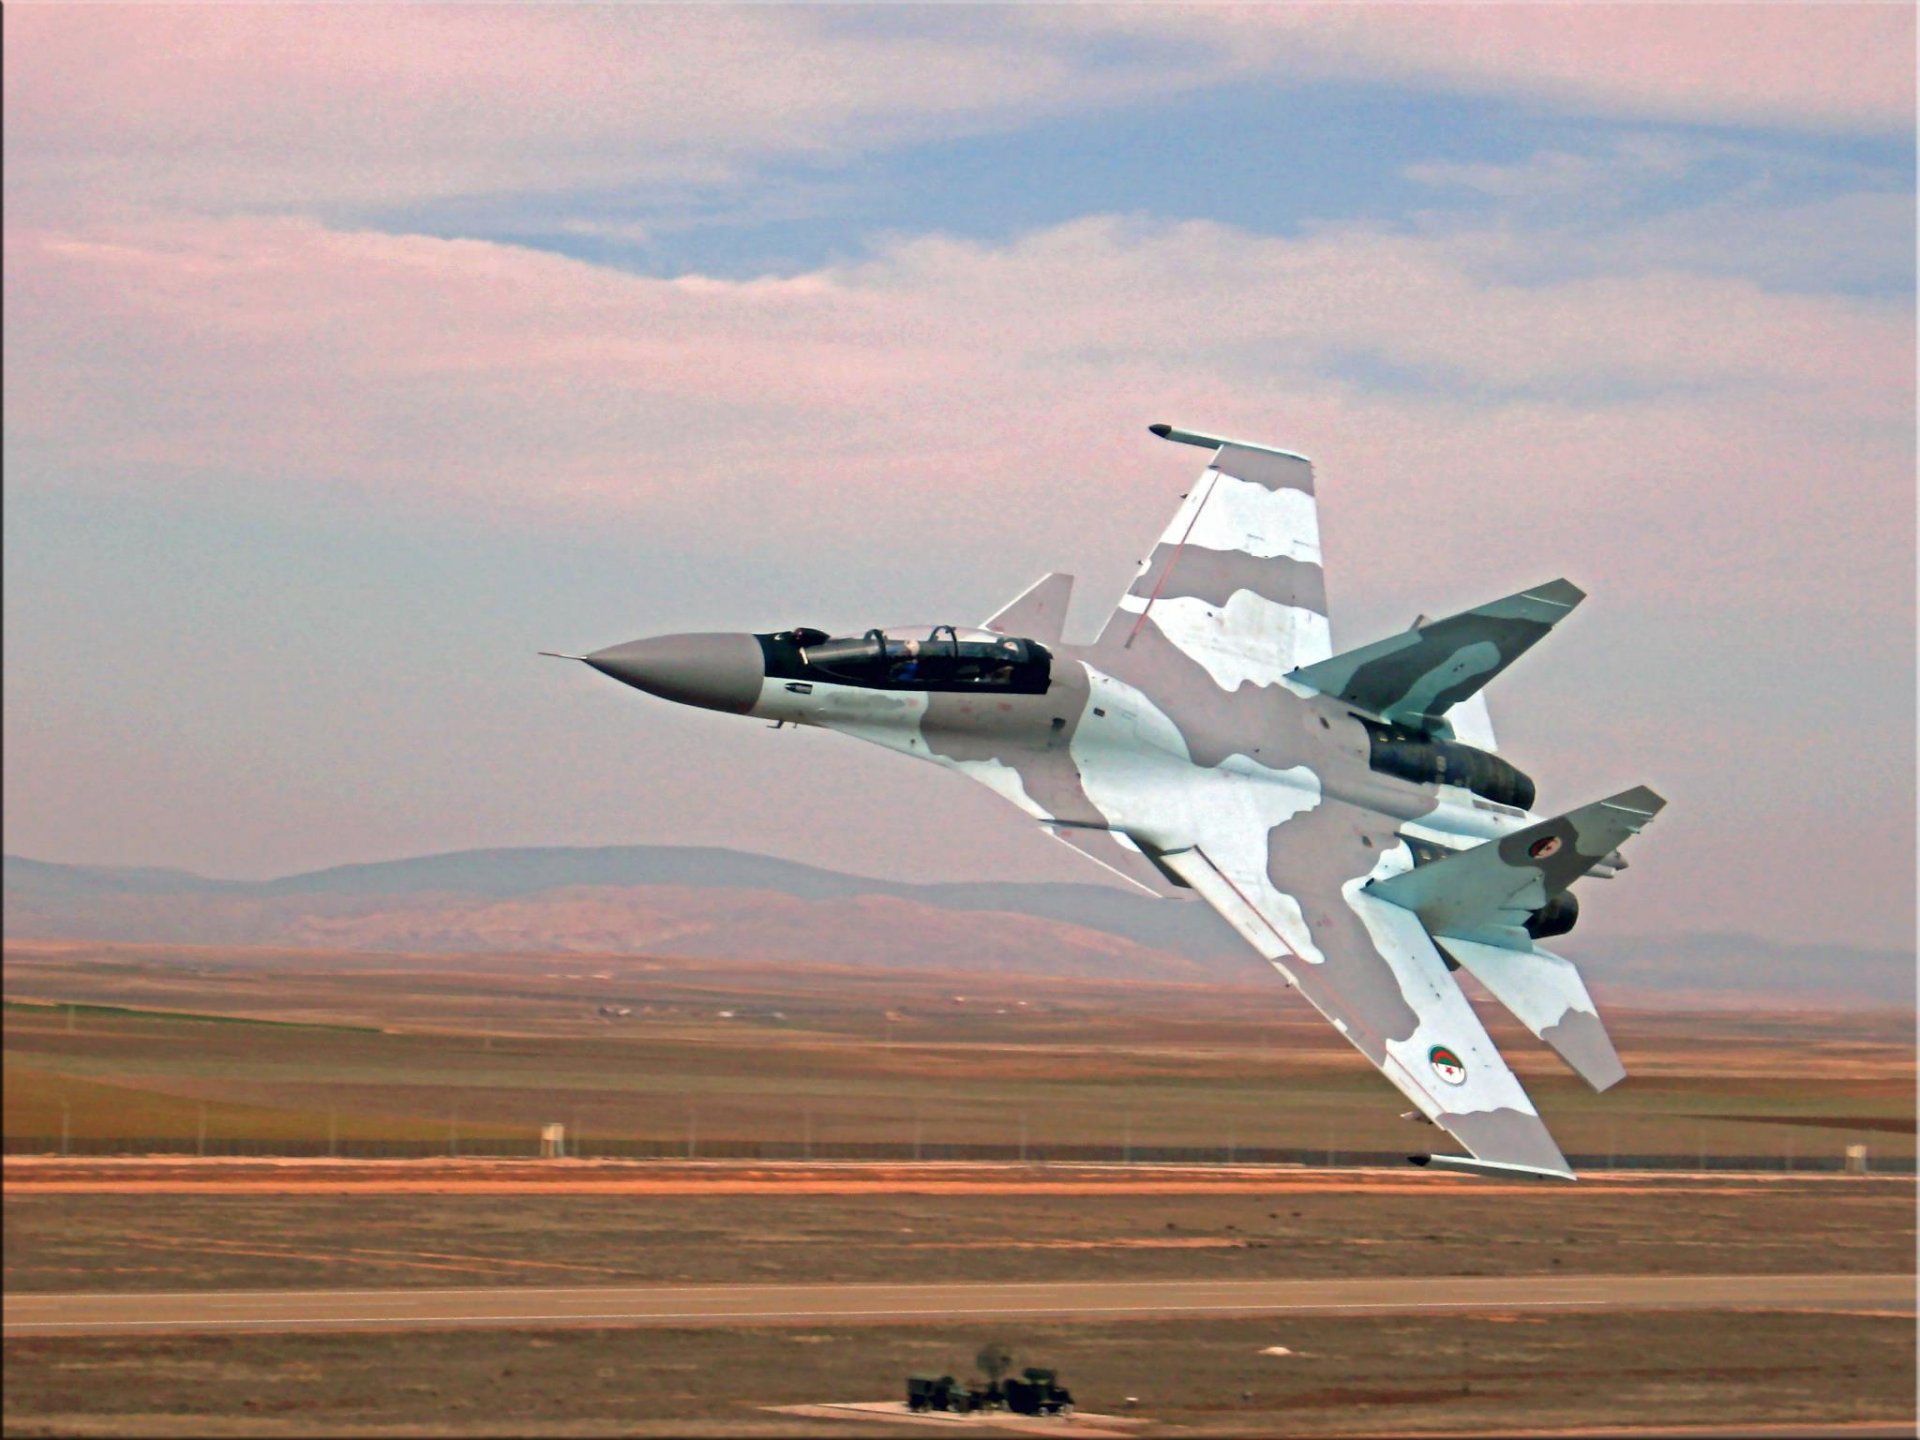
1178, 550
1252, 908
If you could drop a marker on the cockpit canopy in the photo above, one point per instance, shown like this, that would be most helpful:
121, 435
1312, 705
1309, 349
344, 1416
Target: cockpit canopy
912, 657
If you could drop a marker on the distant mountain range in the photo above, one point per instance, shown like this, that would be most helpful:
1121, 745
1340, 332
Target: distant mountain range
671, 900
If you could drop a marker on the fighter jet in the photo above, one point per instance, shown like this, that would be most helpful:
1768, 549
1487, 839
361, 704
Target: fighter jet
1346, 813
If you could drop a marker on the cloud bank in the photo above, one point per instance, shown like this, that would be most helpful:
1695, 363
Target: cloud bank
298, 107
1704, 410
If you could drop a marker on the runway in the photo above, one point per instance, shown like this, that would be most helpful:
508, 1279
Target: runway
755, 1305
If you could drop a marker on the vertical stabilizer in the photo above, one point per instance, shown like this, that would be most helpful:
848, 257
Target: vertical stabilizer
1414, 679
1469, 721
1040, 613
1471, 724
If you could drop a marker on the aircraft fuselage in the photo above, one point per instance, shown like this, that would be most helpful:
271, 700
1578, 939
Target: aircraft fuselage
1057, 735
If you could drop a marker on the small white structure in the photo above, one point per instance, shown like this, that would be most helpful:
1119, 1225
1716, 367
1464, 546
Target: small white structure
553, 1142
1856, 1160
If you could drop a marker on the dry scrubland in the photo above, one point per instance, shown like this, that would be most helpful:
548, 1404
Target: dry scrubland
1003, 1223
461, 1049
1348, 1375
1391, 1376
393, 1046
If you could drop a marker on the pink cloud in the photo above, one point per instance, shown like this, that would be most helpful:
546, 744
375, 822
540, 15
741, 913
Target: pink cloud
226, 108
292, 106
1840, 67
427, 374
1729, 470
1730, 467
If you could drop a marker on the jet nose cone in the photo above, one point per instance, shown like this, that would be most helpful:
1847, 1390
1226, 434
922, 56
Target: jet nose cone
718, 672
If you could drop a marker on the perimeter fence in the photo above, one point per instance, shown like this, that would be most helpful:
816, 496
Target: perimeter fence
681, 1148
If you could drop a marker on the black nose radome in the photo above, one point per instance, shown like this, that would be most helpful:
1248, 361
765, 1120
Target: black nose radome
717, 672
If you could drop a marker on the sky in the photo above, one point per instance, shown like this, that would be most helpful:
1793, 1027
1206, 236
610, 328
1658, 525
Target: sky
354, 354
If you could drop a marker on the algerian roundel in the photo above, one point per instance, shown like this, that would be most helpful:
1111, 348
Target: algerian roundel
1447, 1065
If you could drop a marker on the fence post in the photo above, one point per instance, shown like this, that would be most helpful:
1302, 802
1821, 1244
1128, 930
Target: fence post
64, 1127
333, 1133
200, 1138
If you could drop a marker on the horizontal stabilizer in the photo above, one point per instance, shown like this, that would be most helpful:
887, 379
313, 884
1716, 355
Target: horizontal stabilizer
1488, 892
1488, 1167
1039, 614
1547, 995
1414, 678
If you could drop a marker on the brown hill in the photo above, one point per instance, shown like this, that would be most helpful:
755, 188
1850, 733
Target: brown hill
868, 930
865, 930
717, 904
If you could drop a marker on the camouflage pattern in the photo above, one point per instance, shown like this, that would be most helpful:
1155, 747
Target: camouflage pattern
1487, 893
1210, 740
1417, 677
1546, 994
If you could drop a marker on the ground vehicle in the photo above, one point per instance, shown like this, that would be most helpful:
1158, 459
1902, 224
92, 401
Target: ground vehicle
1036, 1391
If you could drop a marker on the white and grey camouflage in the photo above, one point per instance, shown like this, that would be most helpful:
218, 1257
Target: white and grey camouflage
1326, 805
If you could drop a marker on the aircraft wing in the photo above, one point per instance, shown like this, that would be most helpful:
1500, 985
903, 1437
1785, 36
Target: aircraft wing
1234, 581
1296, 893
1116, 852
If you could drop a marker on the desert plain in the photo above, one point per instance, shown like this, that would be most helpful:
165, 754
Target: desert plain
202, 1053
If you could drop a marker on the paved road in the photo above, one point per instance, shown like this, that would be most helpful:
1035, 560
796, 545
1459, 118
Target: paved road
1803, 1430
810, 1304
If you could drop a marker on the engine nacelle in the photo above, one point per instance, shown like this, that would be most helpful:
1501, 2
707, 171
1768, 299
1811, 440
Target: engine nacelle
1410, 755
1556, 917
